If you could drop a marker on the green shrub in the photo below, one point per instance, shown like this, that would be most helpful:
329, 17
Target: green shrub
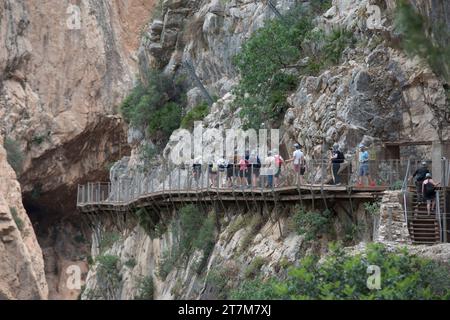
196, 114
19, 222
14, 155
38, 139
205, 242
108, 274
425, 38
107, 240
268, 58
193, 231
254, 289
397, 185
155, 103
342, 276
191, 221
254, 268
145, 288
312, 224
167, 262
372, 208
218, 279
256, 223
165, 120
130, 263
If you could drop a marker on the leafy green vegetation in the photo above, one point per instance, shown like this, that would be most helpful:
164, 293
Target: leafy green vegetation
107, 240
257, 289
254, 268
145, 288
165, 120
108, 274
193, 231
130, 263
312, 224
373, 208
342, 276
269, 61
256, 223
13, 154
424, 38
156, 104
38, 139
219, 280
196, 114
19, 222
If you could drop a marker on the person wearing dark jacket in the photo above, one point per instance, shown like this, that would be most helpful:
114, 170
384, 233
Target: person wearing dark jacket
419, 176
337, 157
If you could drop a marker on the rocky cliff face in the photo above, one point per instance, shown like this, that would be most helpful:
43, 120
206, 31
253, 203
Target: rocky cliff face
64, 69
22, 265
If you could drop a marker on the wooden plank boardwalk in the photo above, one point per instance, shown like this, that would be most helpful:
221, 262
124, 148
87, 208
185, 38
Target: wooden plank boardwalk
250, 196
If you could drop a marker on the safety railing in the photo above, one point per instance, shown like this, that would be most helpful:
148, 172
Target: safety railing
388, 174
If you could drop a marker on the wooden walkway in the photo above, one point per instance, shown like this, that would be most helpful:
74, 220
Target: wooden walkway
241, 196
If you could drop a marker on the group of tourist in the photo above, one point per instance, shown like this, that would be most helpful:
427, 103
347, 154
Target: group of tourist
249, 170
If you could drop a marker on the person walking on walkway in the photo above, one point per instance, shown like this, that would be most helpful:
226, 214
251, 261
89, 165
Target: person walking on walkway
197, 170
270, 168
363, 165
337, 157
299, 163
243, 167
419, 176
212, 171
429, 192
279, 162
255, 166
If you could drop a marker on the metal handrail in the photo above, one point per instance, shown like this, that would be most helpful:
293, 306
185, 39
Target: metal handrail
136, 184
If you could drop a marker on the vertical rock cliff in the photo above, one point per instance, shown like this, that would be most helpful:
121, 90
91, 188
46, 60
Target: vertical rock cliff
64, 68
21, 265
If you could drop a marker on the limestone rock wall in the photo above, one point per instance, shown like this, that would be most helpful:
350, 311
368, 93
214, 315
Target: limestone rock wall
57, 80
21, 265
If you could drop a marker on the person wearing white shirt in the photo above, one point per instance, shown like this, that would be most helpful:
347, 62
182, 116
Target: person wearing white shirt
298, 159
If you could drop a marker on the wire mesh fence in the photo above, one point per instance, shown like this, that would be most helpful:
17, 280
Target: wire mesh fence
385, 174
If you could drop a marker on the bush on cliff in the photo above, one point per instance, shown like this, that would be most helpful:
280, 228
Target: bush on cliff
155, 103
342, 276
269, 61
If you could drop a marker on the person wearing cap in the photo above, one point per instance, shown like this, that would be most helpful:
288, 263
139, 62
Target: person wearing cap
337, 157
363, 164
429, 192
419, 176
299, 163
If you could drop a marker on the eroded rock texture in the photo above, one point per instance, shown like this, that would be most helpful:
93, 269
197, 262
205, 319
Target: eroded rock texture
21, 265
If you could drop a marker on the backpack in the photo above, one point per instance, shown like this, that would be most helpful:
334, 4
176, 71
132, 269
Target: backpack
421, 174
340, 157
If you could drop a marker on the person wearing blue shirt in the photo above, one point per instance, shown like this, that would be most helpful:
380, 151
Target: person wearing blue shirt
363, 164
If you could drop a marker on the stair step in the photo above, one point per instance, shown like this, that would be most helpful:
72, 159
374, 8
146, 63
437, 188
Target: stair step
424, 229
424, 242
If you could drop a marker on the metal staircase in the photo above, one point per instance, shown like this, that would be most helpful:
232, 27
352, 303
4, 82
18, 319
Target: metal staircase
424, 228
